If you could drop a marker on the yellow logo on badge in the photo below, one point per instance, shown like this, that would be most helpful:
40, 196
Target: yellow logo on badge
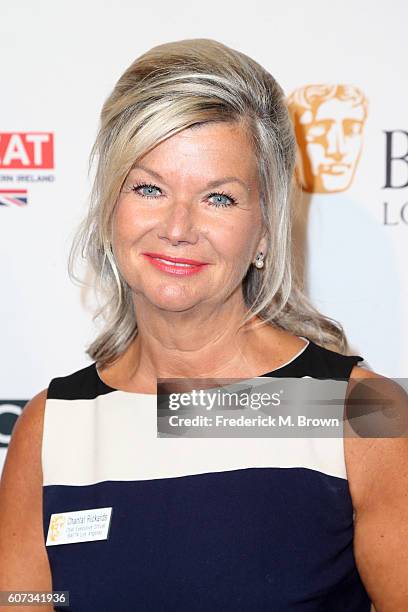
57, 525
79, 526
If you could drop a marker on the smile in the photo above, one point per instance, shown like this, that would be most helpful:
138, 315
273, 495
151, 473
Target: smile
173, 262
177, 268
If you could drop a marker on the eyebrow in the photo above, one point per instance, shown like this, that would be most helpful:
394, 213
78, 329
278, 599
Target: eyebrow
211, 184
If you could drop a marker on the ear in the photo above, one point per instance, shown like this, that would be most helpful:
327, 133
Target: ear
262, 245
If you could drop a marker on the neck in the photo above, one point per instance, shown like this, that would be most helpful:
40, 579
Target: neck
206, 342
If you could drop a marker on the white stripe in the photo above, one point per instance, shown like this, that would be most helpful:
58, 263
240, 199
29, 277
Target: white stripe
113, 437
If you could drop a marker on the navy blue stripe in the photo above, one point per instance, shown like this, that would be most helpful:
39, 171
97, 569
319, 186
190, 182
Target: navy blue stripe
275, 539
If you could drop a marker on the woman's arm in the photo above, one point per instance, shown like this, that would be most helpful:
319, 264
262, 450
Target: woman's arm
378, 480
24, 562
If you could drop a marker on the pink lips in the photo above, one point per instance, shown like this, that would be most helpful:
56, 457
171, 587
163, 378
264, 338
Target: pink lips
193, 262
186, 267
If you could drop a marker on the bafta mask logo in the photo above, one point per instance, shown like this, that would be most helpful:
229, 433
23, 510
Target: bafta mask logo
329, 124
56, 526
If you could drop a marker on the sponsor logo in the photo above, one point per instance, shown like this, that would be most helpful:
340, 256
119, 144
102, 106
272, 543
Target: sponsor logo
396, 177
25, 157
13, 197
9, 413
26, 150
329, 124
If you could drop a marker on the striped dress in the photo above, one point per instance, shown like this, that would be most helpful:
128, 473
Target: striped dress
238, 525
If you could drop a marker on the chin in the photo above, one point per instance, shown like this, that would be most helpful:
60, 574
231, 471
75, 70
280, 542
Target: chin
173, 299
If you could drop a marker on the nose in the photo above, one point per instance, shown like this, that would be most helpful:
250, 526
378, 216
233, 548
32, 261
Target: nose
179, 225
336, 145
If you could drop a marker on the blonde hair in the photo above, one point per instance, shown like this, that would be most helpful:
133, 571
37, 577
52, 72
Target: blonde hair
172, 87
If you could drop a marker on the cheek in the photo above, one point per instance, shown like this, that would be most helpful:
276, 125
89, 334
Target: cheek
234, 242
128, 223
121, 218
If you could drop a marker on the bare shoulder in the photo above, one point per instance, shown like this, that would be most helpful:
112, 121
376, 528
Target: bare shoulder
25, 563
375, 431
376, 451
354, 445
25, 443
283, 346
32, 415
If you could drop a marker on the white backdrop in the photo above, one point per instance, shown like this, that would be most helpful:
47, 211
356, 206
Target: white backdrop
59, 62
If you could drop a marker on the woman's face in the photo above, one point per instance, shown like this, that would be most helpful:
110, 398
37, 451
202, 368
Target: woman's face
194, 196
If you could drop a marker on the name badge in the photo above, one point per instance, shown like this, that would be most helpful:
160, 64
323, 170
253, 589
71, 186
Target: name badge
79, 526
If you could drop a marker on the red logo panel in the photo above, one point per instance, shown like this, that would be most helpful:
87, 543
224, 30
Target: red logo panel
26, 150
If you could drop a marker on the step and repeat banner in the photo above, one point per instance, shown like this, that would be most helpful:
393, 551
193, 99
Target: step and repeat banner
343, 69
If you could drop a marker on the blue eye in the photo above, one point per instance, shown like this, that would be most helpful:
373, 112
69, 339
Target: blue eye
222, 200
149, 190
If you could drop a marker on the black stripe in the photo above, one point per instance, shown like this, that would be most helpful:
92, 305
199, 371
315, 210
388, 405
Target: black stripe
315, 361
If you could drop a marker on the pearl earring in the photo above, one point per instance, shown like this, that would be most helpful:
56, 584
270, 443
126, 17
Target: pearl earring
259, 262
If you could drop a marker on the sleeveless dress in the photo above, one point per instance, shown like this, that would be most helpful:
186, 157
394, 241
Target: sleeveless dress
197, 524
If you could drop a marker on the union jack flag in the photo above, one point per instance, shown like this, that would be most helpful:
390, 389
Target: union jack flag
8, 197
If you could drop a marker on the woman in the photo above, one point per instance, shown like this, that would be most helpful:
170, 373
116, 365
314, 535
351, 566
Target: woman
189, 232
